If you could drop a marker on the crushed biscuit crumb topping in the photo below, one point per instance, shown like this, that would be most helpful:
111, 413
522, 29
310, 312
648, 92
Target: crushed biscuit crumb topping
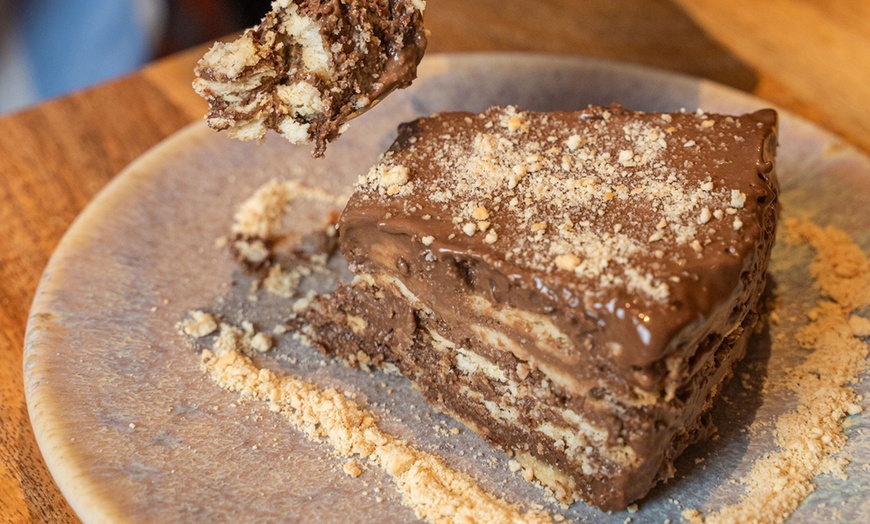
551, 194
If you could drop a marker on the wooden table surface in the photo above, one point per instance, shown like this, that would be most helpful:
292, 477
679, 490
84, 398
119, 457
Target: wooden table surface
809, 56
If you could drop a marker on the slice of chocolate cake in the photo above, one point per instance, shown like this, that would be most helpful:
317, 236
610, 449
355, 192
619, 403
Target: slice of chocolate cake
310, 66
573, 286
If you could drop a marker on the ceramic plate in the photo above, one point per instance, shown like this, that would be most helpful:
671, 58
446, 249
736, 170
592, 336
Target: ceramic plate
130, 427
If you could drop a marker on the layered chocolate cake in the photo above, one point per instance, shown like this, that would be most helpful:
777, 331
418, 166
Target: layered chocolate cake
574, 286
310, 66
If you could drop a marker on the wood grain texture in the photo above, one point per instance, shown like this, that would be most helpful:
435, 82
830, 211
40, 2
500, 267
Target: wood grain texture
819, 49
54, 160
651, 32
810, 57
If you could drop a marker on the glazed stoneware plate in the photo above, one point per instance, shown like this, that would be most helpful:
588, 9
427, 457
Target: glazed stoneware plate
132, 429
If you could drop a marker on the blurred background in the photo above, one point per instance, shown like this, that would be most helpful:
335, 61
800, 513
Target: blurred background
51, 47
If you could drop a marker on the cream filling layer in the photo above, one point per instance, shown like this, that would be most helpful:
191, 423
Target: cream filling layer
578, 441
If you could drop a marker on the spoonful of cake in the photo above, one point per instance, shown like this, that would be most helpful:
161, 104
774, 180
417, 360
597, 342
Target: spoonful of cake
310, 66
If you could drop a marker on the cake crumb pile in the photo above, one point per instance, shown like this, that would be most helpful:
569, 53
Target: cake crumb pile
435, 492
811, 437
257, 224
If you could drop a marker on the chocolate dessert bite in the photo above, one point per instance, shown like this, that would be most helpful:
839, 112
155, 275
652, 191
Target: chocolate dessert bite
574, 286
310, 66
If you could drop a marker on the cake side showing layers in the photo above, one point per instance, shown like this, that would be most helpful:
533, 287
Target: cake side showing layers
310, 66
573, 286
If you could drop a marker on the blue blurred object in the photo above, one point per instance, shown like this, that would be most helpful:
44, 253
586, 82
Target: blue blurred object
74, 43
51, 47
